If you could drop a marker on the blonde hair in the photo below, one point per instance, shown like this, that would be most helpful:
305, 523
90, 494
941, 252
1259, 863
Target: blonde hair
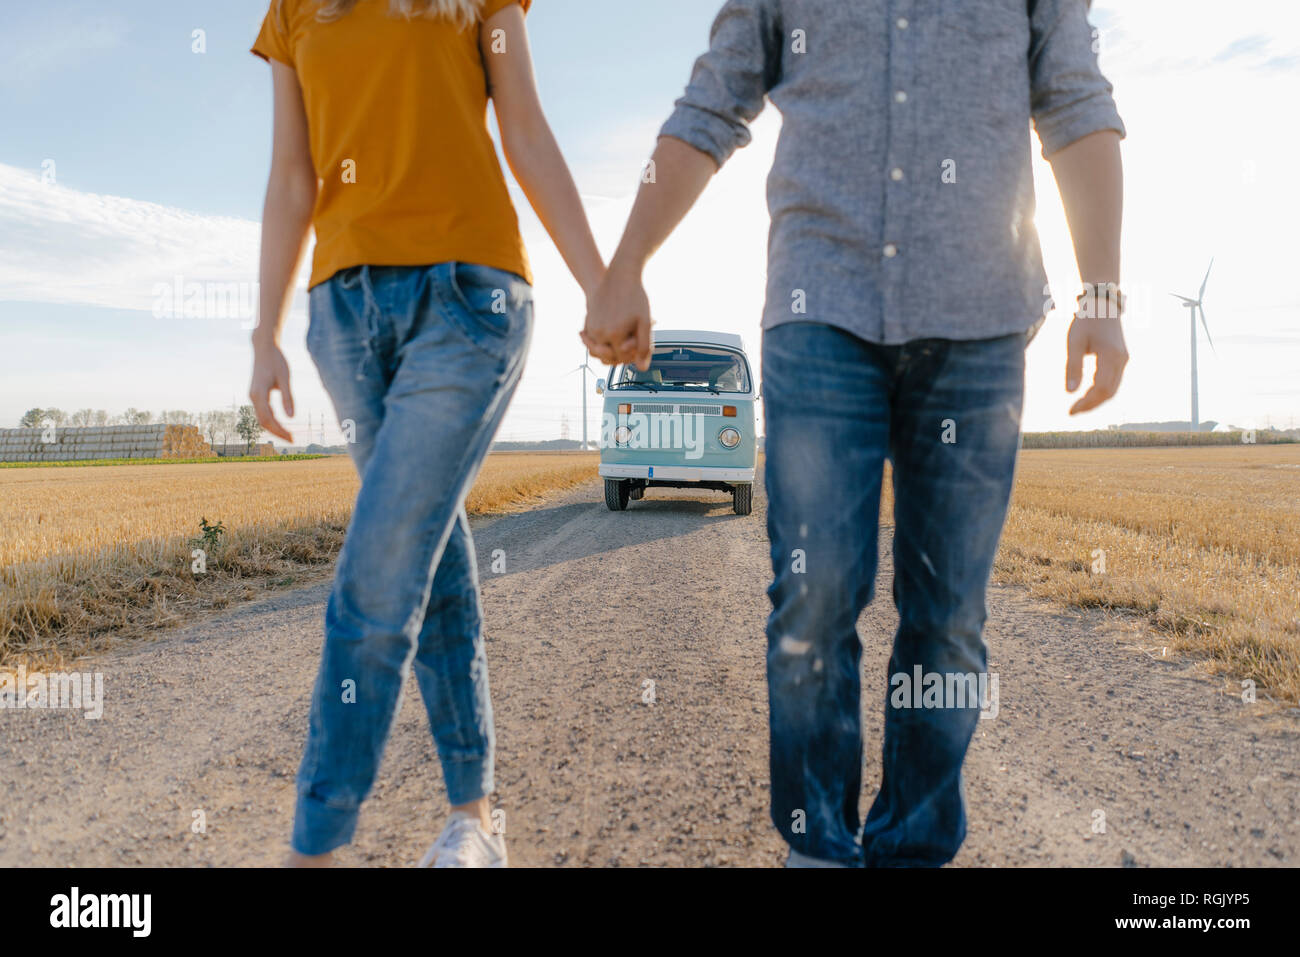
463, 13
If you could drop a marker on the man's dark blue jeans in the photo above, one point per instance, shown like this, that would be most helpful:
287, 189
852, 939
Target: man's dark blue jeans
947, 416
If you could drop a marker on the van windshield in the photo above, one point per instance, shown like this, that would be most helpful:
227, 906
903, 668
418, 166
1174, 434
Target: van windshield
686, 369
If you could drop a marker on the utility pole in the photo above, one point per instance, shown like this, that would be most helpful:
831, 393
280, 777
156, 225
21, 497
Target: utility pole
584, 400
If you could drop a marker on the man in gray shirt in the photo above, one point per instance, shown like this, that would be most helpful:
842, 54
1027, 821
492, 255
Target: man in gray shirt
904, 281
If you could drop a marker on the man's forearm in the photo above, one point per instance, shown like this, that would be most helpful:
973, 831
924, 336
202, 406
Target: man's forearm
618, 316
1090, 176
1091, 179
680, 174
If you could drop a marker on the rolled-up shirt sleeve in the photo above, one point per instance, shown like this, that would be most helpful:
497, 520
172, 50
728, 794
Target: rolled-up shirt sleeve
730, 82
1069, 96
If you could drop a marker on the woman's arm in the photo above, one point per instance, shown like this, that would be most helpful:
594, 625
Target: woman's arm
286, 222
530, 147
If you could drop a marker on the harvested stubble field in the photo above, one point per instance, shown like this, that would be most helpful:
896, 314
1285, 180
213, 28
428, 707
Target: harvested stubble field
88, 554
1204, 543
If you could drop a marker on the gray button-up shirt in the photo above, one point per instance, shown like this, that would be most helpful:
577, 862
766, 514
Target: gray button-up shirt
902, 197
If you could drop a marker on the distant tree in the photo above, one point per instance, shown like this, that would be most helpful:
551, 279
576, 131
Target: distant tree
247, 427
56, 416
229, 421
218, 425
101, 417
177, 417
32, 418
82, 418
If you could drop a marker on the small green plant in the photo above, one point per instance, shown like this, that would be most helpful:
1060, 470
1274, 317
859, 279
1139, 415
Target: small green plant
210, 540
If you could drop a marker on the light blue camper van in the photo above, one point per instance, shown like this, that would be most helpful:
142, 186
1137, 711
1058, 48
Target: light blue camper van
686, 422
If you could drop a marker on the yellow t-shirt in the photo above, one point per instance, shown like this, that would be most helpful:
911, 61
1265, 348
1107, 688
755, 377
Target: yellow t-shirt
397, 116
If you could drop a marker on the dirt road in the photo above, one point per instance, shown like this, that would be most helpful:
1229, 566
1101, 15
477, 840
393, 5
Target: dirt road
593, 605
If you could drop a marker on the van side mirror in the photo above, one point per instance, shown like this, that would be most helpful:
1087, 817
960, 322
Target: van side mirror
600, 387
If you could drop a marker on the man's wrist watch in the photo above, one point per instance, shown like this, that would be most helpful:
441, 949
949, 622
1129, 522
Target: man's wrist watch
1103, 301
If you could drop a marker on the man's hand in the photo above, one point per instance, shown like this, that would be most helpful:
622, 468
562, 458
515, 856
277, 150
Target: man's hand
1103, 338
618, 320
270, 374
618, 312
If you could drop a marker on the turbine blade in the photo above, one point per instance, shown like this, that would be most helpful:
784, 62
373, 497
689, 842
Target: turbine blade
1205, 325
1186, 301
1201, 294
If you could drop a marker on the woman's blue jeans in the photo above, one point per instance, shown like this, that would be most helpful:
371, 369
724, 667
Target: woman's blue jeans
420, 363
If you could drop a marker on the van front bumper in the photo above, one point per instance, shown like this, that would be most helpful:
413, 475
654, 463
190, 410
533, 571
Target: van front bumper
676, 473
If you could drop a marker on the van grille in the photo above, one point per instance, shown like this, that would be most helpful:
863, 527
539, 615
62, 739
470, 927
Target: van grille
653, 409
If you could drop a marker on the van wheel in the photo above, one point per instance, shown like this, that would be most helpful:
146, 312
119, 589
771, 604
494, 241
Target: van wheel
742, 499
637, 493
616, 494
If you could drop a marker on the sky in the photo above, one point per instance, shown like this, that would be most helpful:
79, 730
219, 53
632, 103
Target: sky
130, 162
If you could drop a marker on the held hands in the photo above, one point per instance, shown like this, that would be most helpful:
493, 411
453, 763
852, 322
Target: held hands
1103, 337
618, 320
270, 374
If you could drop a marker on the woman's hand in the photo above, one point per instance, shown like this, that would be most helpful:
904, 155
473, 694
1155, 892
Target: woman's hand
618, 320
270, 374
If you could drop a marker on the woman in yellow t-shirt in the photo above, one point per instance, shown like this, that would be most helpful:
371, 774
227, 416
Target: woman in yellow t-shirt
421, 313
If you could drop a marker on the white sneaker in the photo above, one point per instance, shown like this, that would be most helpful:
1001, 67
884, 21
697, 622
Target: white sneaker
464, 843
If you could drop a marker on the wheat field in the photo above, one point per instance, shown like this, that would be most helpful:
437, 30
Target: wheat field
92, 552
1201, 543
1204, 543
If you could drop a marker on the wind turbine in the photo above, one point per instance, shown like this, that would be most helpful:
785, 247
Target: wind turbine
1193, 306
584, 369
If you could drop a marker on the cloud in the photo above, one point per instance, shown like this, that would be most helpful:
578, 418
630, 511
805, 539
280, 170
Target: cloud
1254, 340
1160, 37
60, 245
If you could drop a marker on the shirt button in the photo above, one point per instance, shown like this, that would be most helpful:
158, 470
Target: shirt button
900, 96
890, 251
902, 23
895, 174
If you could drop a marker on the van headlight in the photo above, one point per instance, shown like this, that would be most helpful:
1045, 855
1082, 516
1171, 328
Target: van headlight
622, 435
729, 438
